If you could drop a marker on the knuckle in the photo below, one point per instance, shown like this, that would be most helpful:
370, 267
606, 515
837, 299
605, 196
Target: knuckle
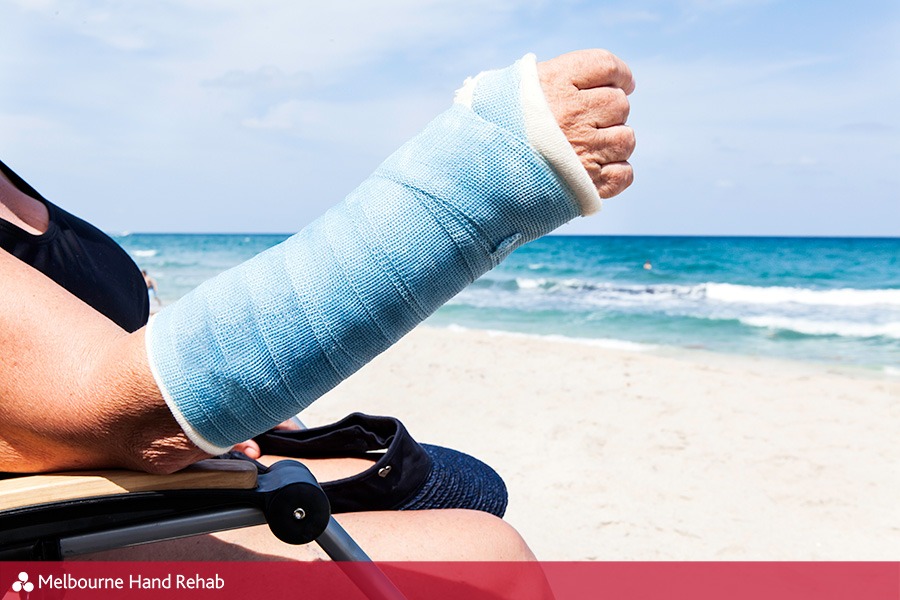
594, 171
613, 105
595, 54
623, 106
615, 145
606, 191
609, 107
616, 178
626, 141
624, 175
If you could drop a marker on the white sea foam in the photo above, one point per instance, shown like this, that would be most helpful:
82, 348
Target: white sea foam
811, 327
526, 283
145, 253
609, 290
608, 343
892, 371
747, 294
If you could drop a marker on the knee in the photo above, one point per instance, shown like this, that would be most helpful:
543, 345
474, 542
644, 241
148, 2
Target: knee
450, 535
492, 539
510, 545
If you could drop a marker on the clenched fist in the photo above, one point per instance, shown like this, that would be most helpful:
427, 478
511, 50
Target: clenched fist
588, 92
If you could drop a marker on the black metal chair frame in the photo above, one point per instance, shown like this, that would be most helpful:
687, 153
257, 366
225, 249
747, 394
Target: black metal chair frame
287, 497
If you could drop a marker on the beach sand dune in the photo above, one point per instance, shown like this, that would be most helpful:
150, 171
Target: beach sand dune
618, 455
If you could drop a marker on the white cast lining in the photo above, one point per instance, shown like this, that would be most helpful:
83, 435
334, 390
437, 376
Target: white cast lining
189, 431
547, 138
544, 134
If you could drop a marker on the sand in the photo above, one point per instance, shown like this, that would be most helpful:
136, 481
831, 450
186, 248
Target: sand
611, 454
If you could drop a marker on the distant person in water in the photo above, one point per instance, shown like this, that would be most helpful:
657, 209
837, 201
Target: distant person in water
648, 266
152, 290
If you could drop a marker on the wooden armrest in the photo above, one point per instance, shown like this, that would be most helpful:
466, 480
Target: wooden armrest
55, 487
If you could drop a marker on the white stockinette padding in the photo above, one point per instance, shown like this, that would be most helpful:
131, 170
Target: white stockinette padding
258, 343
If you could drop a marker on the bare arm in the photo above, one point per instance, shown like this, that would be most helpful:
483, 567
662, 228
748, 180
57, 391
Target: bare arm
75, 389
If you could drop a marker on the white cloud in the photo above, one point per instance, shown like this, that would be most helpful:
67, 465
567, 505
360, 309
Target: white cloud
292, 36
15, 125
188, 91
622, 16
723, 5
36, 5
266, 77
287, 116
799, 162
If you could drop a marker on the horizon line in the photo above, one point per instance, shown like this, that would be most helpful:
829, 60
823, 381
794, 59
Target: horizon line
570, 235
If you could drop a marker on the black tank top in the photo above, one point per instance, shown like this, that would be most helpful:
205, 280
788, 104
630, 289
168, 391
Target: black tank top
82, 259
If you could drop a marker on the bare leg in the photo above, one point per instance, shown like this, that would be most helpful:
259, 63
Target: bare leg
431, 535
437, 541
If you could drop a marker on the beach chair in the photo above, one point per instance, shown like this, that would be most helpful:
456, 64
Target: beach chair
60, 516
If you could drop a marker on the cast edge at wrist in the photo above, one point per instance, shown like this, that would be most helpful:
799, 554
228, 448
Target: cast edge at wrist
544, 134
192, 434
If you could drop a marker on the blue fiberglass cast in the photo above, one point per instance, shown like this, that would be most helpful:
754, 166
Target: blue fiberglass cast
260, 342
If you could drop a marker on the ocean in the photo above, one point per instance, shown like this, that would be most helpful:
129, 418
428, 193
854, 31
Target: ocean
826, 300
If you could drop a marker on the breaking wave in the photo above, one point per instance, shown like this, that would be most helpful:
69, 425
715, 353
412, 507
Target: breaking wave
717, 292
812, 327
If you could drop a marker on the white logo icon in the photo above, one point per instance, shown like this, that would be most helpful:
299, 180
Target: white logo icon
22, 583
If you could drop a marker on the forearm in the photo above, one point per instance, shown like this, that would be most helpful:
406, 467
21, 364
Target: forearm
75, 390
261, 342
288, 325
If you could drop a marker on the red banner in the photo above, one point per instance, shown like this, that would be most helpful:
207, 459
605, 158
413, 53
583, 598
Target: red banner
456, 581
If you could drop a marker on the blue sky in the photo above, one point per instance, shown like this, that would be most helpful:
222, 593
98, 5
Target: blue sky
753, 117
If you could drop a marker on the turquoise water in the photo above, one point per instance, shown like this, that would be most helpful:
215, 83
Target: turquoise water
832, 300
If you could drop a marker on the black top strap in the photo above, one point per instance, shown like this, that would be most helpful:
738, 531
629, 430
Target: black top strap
82, 259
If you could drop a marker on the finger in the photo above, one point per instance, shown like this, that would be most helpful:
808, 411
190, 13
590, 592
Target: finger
250, 448
605, 146
610, 179
604, 107
616, 178
598, 68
